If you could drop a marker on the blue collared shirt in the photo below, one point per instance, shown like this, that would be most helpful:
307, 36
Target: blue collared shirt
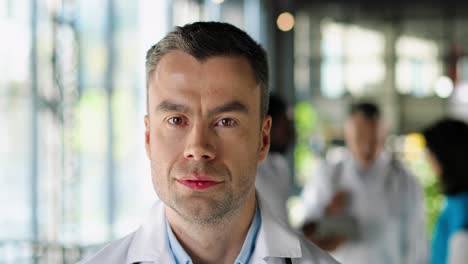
181, 257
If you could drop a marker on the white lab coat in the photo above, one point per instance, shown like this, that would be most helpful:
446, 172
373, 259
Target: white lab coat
273, 182
387, 204
148, 244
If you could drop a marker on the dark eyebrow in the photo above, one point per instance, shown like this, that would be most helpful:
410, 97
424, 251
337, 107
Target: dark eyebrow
234, 106
167, 106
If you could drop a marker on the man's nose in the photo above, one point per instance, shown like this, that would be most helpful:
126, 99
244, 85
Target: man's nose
198, 145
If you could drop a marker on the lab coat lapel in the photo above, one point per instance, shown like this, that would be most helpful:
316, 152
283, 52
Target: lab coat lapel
275, 240
150, 243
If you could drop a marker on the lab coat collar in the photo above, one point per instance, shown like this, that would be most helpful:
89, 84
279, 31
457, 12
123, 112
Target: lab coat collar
274, 240
150, 243
381, 162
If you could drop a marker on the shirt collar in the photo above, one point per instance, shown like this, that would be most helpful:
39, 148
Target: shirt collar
249, 242
176, 249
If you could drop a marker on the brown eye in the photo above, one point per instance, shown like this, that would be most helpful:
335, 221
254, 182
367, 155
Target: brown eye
227, 122
176, 121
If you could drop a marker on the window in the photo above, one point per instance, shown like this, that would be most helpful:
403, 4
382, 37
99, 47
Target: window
352, 60
417, 67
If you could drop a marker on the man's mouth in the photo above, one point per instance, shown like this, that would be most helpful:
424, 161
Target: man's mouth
198, 185
197, 181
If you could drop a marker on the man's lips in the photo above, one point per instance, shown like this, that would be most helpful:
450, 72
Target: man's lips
199, 182
198, 185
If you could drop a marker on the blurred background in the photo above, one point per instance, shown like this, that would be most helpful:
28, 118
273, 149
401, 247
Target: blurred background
73, 171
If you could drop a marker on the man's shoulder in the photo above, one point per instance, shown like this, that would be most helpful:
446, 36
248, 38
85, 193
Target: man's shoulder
278, 240
313, 254
402, 174
114, 252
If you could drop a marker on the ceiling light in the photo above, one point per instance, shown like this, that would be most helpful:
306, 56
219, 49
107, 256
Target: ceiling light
444, 87
285, 21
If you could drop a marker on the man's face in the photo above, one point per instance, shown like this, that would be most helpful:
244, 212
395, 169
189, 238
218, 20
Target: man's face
364, 138
204, 135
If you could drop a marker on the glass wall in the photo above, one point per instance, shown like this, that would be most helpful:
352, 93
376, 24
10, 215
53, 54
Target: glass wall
16, 116
352, 60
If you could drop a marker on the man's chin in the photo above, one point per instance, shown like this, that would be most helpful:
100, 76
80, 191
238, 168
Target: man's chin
200, 210
202, 217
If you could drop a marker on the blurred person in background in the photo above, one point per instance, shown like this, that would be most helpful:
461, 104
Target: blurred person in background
447, 142
274, 176
366, 207
207, 129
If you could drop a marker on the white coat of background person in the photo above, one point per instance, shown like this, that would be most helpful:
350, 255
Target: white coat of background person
274, 175
457, 248
206, 131
366, 208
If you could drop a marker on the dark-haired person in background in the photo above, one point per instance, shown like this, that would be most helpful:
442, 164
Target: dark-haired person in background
366, 208
206, 131
447, 142
273, 176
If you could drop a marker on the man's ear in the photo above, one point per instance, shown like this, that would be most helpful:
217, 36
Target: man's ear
147, 136
265, 139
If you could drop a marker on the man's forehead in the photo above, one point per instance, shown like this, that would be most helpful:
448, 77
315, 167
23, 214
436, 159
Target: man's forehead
224, 68
223, 71
362, 118
176, 55
180, 75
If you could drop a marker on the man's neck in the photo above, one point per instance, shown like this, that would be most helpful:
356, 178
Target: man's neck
214, 243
